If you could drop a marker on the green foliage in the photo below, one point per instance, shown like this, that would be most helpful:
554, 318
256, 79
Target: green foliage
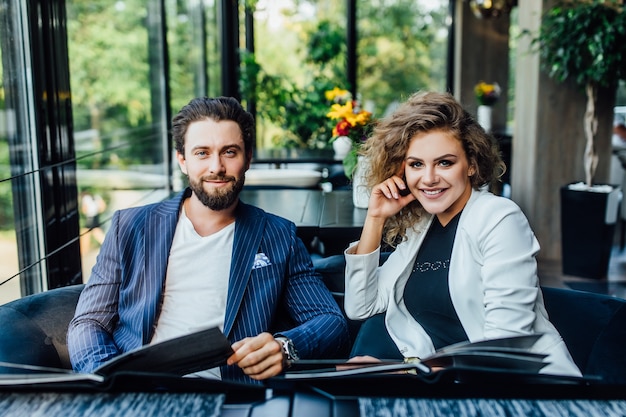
6, 194
401, 50
298, 107
584, 41
325, 44
108, 50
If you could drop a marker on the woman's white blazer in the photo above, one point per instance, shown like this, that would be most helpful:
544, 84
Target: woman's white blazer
492, 277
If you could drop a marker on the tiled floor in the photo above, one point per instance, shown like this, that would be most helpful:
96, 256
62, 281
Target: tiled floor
550, 275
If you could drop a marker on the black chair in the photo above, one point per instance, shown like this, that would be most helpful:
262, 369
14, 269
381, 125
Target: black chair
594, 329
332, 269
35, 328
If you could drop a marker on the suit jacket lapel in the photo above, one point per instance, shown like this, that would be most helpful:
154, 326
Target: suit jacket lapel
248, 232
159, 234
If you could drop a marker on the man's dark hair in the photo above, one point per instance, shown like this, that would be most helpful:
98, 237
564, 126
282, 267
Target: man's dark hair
218, 108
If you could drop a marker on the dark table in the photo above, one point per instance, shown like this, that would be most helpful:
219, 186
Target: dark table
362, 396
340, 222
328, 218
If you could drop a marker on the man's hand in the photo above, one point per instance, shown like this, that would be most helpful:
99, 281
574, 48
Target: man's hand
259, 357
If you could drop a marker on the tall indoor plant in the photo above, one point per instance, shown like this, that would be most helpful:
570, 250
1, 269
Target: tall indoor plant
584, 42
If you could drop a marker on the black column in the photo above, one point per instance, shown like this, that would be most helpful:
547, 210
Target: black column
229, 25
54, 131
351, 46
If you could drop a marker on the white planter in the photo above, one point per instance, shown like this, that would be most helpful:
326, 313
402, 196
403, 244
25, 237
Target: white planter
342, 146
484, 117
360, 191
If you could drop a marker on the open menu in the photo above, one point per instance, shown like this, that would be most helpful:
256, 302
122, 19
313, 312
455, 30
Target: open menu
506, 354
204, 349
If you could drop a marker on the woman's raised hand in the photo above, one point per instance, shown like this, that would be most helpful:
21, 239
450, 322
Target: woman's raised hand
389, 197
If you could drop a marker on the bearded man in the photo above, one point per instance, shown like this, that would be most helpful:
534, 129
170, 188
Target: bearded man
205, 258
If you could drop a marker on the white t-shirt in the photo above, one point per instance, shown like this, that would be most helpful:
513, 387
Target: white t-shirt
196, 283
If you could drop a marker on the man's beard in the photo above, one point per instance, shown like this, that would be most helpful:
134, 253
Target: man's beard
219, 198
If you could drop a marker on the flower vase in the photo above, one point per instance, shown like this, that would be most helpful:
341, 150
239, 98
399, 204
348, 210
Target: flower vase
484, 117
360, 190
341, 146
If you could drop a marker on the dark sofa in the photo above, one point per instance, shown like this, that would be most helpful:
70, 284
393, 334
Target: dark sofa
592, 325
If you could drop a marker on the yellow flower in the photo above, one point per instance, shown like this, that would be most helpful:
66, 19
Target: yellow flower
331, 95
487, 94
362, 118
338, 111
350, 121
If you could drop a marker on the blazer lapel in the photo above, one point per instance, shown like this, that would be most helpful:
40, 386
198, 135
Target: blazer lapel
159, 234
248, 232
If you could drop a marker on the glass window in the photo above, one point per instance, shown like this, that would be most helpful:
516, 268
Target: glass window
8, 243
116, 58
20, 223
299, 54
401, 49
194, 68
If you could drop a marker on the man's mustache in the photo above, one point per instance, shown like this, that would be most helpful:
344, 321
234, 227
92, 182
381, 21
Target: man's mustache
217, 178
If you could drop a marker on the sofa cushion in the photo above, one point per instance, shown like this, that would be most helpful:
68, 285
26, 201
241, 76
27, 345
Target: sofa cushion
35, 328
593, 327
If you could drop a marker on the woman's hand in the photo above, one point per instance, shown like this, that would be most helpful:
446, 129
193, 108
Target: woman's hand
389, 197
358, 362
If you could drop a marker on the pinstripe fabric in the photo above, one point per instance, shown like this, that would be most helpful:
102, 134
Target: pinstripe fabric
118, 308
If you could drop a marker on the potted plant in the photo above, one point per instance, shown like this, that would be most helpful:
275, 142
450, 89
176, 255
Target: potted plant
352, 126
584, 41
487, 95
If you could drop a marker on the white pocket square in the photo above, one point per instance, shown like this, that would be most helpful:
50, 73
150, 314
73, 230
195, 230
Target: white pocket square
261, 260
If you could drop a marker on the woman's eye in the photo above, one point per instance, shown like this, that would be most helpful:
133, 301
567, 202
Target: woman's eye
416, 164
445, 163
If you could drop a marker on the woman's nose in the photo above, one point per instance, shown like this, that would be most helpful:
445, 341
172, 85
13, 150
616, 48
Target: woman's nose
430, 175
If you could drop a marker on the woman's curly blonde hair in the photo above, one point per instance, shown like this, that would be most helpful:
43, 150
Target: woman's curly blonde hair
424, 112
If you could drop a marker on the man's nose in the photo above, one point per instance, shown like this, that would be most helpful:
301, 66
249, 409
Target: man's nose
215, 164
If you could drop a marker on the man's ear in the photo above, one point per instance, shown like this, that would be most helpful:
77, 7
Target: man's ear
181, 162
248, 160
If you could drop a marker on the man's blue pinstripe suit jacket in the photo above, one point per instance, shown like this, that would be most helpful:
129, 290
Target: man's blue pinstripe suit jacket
119, 306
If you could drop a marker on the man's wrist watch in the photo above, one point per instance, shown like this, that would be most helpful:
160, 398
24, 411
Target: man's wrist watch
290, 353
